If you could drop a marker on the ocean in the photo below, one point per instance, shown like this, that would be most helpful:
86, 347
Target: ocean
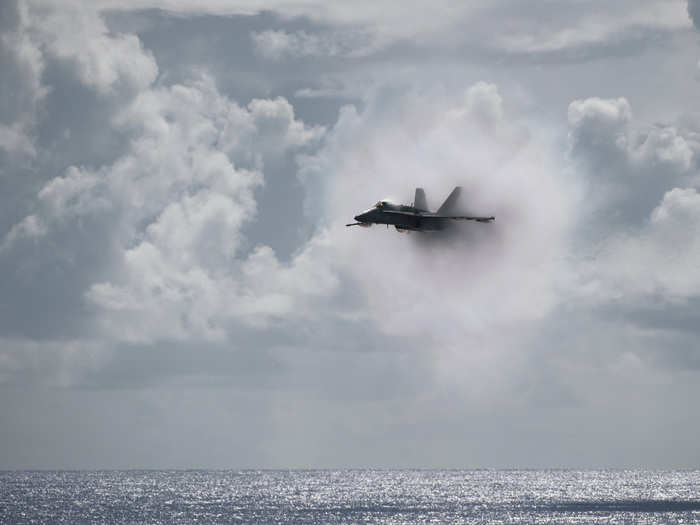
350, 496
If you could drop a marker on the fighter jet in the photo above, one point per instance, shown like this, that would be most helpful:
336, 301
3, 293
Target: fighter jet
415, 217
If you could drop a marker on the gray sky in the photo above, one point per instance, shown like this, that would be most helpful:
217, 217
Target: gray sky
178, 289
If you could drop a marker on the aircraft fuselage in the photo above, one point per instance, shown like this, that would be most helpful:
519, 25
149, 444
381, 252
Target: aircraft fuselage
416, 217
401, 216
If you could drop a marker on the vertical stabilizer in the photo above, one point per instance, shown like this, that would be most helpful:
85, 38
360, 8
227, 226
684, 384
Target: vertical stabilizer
419, 201
450, 202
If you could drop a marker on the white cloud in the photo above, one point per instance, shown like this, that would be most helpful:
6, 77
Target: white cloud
277, 45
179, 204
646, 251
103, 60
666, 146
173, 205
601, 119
505, 26
168, 297
275, 120
416, 18
660, 260
184, 140
603, 131
589, 25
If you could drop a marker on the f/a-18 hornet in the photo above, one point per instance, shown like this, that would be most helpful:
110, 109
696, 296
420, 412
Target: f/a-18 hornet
416, 217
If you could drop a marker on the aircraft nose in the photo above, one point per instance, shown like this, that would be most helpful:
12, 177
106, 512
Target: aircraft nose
366, 217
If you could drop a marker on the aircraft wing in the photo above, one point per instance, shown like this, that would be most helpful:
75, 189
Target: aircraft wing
436, 216
465, 218
409, 213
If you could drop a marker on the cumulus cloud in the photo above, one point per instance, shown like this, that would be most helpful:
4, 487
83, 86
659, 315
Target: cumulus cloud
659, 260
127, 250
639, 251
104, 61
628, 165
184, 138
274, 120
602, 130
166, 298
600, 123
177, 204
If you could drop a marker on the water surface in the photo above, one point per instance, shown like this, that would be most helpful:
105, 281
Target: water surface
350, 496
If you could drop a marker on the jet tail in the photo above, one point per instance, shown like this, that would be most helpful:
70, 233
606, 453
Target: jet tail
419, 200
450, 202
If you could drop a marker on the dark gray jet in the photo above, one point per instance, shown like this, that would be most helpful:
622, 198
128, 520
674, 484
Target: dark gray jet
416, 217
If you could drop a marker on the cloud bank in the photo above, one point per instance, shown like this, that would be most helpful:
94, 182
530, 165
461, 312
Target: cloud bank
175, 268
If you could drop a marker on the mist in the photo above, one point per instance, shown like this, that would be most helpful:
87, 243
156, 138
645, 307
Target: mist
474, 294
480, 277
